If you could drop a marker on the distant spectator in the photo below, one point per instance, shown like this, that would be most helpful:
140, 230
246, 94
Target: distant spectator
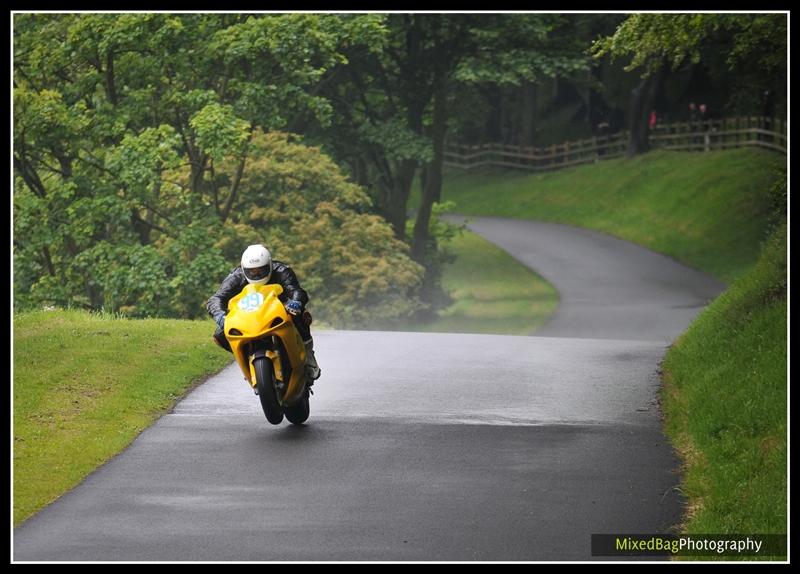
653, 120
692, 112
703, 116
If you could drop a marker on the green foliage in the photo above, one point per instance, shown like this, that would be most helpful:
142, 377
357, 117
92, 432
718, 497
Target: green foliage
282, 56
437, 256
219, 132
524, 47
132, 278
131, 139
195, 265
296, 201
395, 140
651, 39
139, 159
759, 40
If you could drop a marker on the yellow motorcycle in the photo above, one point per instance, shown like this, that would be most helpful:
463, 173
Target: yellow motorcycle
269, 351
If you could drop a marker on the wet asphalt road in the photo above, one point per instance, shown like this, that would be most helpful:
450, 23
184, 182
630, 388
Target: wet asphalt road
419, 446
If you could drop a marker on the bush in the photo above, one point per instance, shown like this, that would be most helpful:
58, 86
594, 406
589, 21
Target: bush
296, 201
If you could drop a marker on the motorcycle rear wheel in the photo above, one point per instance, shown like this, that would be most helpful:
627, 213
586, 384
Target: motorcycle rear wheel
265, 382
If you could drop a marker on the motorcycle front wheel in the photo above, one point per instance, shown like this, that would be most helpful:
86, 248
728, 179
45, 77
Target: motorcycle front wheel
265, 382
298, 413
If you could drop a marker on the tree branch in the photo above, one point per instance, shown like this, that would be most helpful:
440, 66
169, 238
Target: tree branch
150, 224
235, 185
30, 177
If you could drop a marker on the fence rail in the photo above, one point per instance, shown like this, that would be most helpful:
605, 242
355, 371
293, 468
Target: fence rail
769, 133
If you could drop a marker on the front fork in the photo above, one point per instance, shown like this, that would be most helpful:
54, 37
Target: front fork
281, 348
266, 350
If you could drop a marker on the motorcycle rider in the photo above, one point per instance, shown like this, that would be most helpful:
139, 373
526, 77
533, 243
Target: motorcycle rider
258, 267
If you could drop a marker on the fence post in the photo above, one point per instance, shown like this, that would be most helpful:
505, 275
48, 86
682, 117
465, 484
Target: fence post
725, 130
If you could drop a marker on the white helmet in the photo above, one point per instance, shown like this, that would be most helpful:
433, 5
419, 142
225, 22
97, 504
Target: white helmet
257, 264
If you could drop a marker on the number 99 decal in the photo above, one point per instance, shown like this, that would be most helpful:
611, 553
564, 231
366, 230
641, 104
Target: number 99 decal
252, 302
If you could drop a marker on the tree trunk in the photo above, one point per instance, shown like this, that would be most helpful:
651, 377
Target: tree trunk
404, 178
237, 180
197, 173
48, 260
398, 197
642, 99
493, 128
639, 136
433, 182
529, 103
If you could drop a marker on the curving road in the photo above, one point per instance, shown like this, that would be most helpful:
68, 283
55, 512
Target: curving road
419, 446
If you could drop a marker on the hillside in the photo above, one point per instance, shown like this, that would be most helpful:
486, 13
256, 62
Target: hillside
707, 210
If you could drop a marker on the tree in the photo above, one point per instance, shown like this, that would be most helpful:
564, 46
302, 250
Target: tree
392, 108
500, 50
132, 137
657, 43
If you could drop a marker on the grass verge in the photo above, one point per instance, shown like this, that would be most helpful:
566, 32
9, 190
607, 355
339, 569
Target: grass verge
492, 292
85, 385
724, 401
708, 210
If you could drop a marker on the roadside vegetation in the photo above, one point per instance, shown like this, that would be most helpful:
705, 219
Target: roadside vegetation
707, 210
86, 385
724, 399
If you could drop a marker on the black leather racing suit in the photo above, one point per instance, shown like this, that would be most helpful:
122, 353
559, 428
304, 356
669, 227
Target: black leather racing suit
233, 284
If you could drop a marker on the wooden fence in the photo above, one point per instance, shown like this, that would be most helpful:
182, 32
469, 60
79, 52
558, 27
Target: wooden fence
769, 133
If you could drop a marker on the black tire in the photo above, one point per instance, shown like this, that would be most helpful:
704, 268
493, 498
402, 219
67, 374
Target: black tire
298, 413
265, 382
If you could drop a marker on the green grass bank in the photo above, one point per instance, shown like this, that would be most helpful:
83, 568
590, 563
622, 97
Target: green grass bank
492, 292
85, 385
725, 398
708, 210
